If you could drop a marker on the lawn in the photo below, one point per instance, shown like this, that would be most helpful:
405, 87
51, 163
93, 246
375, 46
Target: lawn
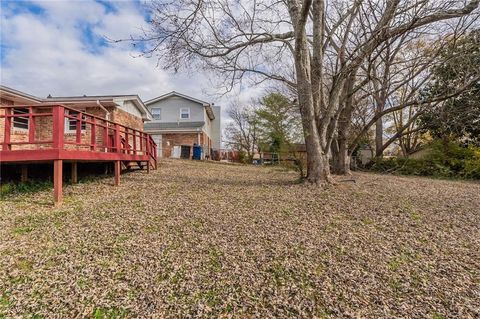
210, 240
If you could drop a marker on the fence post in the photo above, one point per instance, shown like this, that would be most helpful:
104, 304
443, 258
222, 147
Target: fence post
58, 126
24, 174
74, 172
58, 182
117, 172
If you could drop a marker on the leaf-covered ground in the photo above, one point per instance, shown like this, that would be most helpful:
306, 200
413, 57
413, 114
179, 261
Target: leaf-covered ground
210, 240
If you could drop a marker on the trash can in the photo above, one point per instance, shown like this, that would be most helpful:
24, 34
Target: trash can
197, 152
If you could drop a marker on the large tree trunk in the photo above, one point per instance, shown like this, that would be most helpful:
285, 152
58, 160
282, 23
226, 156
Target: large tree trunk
318, 169
341, 158
316, 172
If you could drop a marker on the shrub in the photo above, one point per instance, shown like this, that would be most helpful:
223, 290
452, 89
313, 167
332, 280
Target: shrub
449, 160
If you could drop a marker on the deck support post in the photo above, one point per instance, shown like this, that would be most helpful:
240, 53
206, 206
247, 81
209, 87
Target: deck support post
148, 167
24, 174
57, 182
117, 172
74, 172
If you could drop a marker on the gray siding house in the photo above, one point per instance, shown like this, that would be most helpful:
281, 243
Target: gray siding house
181, 121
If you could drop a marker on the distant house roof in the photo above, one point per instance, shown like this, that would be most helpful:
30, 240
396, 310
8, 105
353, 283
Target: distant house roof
208, 106
158, 126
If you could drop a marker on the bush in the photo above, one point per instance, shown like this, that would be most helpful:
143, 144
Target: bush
449, 160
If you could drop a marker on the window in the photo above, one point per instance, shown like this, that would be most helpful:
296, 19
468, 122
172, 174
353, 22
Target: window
71, 124
157, 113
184, 113
20, 122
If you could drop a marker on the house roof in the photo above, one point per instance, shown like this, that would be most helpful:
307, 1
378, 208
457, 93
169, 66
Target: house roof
208, 106
22, 97
25, 98
158, 126
146, 115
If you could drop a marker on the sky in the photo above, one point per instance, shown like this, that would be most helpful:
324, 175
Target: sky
63, 47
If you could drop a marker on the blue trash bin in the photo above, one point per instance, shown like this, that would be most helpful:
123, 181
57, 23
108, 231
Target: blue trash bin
197, 152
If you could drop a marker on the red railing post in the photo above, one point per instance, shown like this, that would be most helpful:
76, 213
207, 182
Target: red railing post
155, 148
117, 142
93, 138
78, 131
127, 141
58, 126
106, 140
147, 145
134, 142
31, 125
8, 127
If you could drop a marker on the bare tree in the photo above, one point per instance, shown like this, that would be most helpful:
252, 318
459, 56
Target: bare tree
242, 132
396, 81
325, 42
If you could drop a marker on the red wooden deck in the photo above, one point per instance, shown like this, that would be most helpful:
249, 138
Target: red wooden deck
93, 139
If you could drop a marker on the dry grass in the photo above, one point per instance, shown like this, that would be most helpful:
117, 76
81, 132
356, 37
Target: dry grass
209, 240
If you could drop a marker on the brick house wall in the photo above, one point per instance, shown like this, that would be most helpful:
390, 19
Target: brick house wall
44, 127
170, 140
125, 118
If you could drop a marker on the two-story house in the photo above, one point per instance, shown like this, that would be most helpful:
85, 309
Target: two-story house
180, 122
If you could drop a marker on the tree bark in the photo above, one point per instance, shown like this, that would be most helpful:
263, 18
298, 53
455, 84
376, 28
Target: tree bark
341, 155
318, 168
379, 138
341, 162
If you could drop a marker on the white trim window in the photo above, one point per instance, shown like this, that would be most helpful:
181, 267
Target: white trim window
71, 124
20, 123
156, 113
184, 113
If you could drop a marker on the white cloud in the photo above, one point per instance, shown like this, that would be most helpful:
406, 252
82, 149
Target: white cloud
49, 53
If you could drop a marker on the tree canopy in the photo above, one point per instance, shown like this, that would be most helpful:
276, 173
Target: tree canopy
459, 116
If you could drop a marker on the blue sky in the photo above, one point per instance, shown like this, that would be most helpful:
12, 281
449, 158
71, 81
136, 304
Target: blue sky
60, 47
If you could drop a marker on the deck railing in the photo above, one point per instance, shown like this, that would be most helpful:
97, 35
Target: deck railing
90, 133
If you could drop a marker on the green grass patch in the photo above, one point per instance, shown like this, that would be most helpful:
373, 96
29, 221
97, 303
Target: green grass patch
31, 186
23, 230
110, 313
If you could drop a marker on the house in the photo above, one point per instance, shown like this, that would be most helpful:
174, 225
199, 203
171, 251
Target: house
74, 129
180, 122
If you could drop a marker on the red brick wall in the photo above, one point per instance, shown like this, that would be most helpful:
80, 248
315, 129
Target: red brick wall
177, 139
127, 119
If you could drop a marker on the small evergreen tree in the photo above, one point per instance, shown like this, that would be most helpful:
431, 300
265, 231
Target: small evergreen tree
457, 118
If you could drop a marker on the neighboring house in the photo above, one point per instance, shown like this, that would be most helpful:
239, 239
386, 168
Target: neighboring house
73, 129
180, 122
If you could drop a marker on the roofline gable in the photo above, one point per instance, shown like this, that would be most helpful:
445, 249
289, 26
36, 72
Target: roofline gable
174, 93
208, 106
